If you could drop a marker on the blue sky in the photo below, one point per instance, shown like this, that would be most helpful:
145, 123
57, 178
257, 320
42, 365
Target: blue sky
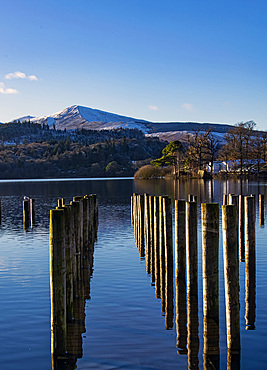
171, 60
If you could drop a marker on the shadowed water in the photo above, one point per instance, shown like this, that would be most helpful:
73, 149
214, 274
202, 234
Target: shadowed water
125, 326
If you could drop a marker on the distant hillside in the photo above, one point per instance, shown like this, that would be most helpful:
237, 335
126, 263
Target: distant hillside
78, 117
187, 126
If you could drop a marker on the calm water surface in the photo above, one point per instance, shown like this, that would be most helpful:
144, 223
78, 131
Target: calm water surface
125, 328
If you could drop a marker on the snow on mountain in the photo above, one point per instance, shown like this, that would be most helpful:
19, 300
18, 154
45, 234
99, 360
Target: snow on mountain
24, 118
78, 117
182, 136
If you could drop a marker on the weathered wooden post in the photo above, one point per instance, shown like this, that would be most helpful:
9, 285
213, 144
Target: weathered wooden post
69, 260
79, 199
60, 202
85, 221
77, 231
168, 246
192, 283
180, 276
147, 232
151, 241
32, 211
0, 211
26, 213
58, 282
231, 273
156, 247
225, 199
190, 197
241, 229
141, 239
162, 254
234, 199
250, 263
261, 209
210, 261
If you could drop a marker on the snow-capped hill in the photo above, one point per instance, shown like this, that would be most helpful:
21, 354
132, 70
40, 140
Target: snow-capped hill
24, 118
78, 117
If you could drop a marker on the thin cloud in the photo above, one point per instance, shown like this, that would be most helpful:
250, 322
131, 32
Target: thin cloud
4, 90
188, 106
18, 74
153, 107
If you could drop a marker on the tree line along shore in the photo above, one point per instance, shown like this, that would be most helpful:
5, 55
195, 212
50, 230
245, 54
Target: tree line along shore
242, 153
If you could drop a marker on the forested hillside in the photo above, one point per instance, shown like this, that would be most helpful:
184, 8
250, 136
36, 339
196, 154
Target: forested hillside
31, 150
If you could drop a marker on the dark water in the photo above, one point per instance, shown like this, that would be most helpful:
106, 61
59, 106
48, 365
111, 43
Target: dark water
125, 328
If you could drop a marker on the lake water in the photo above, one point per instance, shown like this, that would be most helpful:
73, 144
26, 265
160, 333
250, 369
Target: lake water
124, 325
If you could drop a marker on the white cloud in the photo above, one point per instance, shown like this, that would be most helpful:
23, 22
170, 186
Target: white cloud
153, 107
32, 78
4, 90
18, 74
187, 106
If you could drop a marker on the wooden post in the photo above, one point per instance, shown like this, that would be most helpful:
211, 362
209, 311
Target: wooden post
192, 284
77, 230
32, 209
0, 211
147, 232
210, 261
79, 199
162, 254
69, 261
26, 214
156, 247
241, 229
190, 197
261, 209
234, 199
58, 282
60, 202
250, 263
85, 221
141, 240
180, 276
168, 246
151, 241
225, 199
231, 273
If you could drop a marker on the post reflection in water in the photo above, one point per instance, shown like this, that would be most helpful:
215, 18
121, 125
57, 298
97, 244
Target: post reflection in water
233, 360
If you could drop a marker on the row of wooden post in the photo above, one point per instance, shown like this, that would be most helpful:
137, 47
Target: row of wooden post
73, 229
152, 220
28, 213
239, 202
